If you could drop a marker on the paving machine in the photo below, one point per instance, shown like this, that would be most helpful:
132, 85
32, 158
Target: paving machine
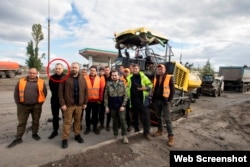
143, 42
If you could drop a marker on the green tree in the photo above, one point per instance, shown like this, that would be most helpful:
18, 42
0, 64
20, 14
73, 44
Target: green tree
34, 60
207, 69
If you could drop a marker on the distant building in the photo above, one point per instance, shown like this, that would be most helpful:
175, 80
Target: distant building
98, 57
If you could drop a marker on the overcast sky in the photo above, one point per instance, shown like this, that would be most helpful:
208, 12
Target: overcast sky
218, 30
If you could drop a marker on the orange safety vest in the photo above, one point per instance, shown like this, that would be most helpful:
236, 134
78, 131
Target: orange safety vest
166, 88
40, 84
93, 90
103, 82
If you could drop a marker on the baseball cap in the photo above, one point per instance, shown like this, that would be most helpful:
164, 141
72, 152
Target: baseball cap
127, 70
161, 66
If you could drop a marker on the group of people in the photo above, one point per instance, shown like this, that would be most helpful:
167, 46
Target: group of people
123, 95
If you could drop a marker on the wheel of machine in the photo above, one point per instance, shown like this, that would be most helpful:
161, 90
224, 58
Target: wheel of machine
2, 74
192, 97
241, 89
215, 93
219, 93
244, 89
10, 74
198, 95
185, 114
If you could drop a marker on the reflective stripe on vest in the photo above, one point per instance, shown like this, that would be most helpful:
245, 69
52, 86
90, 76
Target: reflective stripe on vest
22, 84
166, 88
93, 90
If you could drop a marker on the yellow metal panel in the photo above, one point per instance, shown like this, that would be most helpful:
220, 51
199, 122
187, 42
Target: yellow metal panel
142, 30
181, 76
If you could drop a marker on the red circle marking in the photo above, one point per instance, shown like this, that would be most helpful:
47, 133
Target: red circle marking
65, 77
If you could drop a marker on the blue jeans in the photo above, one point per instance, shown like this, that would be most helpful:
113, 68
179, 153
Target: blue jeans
163, 112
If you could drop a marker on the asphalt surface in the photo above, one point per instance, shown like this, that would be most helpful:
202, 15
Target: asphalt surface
34, 153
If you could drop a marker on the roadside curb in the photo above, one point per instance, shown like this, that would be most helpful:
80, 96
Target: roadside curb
108, 142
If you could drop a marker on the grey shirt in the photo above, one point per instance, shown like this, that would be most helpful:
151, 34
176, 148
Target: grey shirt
30, 92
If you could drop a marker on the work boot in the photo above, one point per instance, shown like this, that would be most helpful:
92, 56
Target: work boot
64, 143
170, 140
158, 133
87, 131
36, 137
96, 131
101, 127
53, 134
14, 143
107, 128
125, 140
147, 136
137, 129
79, 139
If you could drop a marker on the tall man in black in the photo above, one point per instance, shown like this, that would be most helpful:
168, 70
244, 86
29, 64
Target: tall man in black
54, 101
139, 86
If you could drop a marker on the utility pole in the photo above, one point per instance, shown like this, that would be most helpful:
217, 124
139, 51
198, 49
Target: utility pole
48, 31
181, 58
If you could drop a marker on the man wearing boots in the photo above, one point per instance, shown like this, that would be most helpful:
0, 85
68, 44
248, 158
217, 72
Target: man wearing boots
54, 82
30, 94
95, 96
107, 78
115, 99
163, 92
73, 98
139, 87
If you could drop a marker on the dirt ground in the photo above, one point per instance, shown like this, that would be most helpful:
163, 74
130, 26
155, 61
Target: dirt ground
221, 123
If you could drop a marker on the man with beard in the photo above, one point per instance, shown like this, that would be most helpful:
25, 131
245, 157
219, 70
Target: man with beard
54, 82
115, 99
73, 96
